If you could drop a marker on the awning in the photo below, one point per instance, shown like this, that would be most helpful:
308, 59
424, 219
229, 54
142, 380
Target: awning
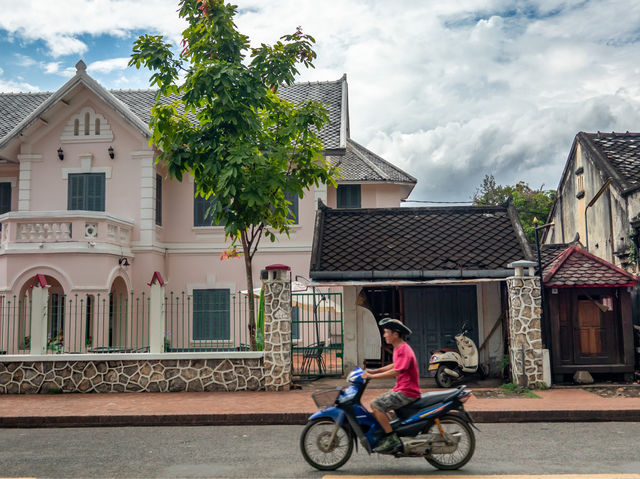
400, 282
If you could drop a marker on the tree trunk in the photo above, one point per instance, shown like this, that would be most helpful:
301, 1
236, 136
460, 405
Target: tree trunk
246, 249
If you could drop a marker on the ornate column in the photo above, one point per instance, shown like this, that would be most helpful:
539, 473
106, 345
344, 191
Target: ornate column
277, 327
525, 335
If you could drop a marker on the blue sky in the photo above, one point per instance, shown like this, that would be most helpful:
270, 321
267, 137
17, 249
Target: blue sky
448, 91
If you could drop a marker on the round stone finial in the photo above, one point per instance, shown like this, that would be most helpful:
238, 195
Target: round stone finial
81, 67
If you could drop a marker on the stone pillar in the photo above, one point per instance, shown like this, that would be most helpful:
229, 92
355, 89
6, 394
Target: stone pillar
277, 327
156, 314
39, 310
525, 335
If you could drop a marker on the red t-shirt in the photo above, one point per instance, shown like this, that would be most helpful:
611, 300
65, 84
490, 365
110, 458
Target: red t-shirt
407, 380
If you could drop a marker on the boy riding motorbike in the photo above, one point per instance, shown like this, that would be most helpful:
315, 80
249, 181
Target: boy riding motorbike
407, 388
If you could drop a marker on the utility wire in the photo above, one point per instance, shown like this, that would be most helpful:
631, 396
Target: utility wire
439, 202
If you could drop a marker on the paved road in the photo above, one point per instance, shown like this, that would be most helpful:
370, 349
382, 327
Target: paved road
272, 451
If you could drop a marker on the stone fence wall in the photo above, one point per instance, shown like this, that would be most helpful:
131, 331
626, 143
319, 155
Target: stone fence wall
153, 375
157, 372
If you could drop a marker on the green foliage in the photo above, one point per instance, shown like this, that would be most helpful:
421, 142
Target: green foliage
529, 203
218, 118
632, 252
512, 388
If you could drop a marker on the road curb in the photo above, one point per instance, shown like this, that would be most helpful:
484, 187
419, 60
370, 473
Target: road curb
272, 419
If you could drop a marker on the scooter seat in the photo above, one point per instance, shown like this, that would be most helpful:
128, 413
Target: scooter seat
426, 400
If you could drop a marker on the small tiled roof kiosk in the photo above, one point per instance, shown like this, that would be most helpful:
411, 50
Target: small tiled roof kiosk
589, 305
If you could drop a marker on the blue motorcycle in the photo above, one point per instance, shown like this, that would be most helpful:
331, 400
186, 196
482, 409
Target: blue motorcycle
435, 427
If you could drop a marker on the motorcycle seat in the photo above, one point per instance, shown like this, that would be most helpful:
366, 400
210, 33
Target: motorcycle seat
426, 400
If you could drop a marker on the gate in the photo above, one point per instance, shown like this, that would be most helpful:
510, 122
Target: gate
435, 312
316, 334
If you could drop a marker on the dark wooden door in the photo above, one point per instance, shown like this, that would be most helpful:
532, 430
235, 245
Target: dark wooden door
435, 312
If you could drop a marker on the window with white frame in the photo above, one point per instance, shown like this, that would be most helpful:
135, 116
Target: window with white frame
86, 191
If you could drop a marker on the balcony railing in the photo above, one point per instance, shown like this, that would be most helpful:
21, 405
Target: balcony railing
64, 226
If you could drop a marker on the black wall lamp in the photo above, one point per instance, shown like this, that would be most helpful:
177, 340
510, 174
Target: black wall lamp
123, 262
111, 153
60, 153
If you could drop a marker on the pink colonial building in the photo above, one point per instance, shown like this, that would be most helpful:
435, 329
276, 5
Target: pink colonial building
83, 202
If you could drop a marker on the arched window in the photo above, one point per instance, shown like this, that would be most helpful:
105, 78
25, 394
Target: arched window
97, 128
76, 127
87, 119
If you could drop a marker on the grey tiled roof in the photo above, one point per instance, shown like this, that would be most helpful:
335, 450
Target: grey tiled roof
416, 242
362, 165
330, 95
15, 107
622, 153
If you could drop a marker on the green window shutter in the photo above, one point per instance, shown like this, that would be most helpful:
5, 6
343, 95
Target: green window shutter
5, 197
159, 200
348, 196
86, 191
200, 208
211, 314
293, 208
75, 192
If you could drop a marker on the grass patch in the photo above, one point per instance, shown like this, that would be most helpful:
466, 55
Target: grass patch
512, 388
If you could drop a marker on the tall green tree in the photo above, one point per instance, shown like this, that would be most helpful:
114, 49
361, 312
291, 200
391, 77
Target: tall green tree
218, 117
529, 203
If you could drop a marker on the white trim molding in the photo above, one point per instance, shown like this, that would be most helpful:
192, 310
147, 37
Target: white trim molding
86, 166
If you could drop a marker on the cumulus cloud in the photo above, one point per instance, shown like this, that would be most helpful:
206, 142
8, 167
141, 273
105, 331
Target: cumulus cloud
107, 66
60, 27
448, 91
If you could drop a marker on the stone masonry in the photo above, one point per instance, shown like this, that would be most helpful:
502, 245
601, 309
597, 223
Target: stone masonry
277, 330
271, 370
525, 308
242, 374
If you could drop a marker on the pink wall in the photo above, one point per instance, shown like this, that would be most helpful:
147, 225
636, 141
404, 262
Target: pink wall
186, 256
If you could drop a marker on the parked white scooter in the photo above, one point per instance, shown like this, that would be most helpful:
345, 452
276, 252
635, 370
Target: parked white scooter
451, 365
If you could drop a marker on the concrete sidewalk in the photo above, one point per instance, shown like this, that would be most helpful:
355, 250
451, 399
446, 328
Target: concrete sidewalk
291, 407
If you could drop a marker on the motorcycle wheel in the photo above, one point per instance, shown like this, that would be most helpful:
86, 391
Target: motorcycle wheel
466, 446
315, 447
442, 378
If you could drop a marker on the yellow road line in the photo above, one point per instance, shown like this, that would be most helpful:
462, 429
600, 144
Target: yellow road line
495, 476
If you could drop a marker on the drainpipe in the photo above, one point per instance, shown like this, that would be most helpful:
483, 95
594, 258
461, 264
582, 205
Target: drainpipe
591, 203
544, 327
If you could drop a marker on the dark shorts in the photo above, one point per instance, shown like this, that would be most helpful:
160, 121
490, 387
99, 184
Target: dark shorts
391, 401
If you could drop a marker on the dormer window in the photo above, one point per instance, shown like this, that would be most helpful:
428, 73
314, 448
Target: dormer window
76, 127
97, 127
87, 121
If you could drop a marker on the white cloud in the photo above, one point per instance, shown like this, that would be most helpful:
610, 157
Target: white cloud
449, 91
59, 24
8, 86
107, 66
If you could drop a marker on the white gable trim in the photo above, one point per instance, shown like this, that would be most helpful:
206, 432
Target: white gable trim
75, 133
